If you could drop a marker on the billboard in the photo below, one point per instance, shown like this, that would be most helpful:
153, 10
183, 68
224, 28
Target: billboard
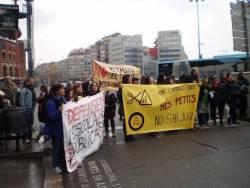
9, 17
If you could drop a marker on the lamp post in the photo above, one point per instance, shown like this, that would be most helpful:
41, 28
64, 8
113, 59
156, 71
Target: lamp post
29, 38
198, 20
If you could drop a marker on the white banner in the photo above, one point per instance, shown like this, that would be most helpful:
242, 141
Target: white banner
83, 129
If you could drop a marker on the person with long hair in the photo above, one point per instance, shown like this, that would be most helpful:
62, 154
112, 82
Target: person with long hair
94, 89
195, 75
77, 92
54, 108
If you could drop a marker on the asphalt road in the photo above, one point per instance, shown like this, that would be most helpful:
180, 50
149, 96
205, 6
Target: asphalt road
211, 158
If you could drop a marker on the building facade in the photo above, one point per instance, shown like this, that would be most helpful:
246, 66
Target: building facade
170, 46
125, 49
76, 67
12, 59
149, 62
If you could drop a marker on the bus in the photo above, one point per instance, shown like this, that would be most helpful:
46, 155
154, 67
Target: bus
208, 67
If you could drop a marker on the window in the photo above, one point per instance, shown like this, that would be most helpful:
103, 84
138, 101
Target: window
11, 71
4, 71
9, 56
3, 55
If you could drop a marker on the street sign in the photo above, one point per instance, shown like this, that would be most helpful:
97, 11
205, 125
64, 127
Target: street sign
9, 17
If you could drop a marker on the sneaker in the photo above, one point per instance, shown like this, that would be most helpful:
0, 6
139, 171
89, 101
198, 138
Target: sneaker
27, 141
113, 135
57, 170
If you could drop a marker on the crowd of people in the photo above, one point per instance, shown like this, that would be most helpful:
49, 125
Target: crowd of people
222, 97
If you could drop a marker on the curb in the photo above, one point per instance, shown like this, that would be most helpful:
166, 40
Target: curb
51, 180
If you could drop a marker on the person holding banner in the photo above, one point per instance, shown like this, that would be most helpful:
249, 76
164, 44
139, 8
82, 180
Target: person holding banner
195, 75
126, 79
54, 123
94, 89
77, 92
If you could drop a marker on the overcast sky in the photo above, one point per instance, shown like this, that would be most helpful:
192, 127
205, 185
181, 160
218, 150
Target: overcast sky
62, 25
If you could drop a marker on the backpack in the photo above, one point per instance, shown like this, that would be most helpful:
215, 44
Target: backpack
17, 98
42, 117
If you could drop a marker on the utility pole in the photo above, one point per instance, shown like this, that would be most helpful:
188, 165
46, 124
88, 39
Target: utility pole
29, 38
198, 21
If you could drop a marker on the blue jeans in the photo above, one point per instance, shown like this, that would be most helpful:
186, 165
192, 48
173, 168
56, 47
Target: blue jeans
30, 121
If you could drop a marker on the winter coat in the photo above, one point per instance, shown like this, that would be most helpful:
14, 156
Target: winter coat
203, 101
243, 85
27, 98
54, 116
218, 95
119, 96
232, 90
110, 106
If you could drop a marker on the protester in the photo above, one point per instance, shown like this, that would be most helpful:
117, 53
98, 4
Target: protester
195, 75
4, 103
41, 100
77, 92
217, 98
174, 79
94, 89
223, 78
148, 80
203, 104
54, 126
243, 102
135, 80
43, 92
27, 100
109, 113
161, 79
170, 80
232, 90
142, 79
10, 90
126, 79
68, 94
85, 87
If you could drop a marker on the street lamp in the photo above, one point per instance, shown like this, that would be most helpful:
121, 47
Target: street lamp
30, 37
198, 19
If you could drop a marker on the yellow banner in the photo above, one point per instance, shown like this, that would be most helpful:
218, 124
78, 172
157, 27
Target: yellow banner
109, 75
154, 108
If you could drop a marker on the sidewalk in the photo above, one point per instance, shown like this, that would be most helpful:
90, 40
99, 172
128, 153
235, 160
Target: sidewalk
31, 166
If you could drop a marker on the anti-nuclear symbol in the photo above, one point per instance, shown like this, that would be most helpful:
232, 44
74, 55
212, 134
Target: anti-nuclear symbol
142, 98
